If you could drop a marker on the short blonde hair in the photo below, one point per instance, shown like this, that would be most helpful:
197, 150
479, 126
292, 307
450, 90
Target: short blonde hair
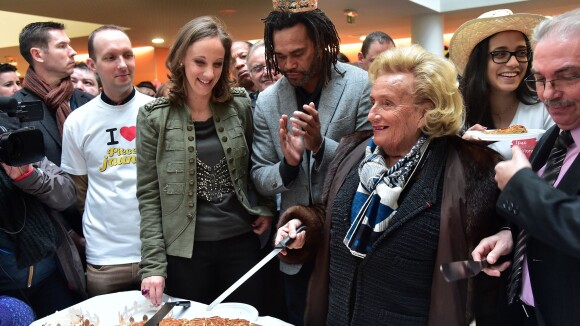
435, 82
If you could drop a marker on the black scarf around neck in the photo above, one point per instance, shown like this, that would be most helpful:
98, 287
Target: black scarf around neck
26, 221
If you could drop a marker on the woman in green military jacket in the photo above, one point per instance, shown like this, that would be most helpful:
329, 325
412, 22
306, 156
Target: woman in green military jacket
198, 226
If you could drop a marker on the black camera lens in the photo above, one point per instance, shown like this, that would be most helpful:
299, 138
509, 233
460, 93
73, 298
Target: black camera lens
21, 147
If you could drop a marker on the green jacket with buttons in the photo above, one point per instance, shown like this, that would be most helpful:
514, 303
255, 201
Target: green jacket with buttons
167, 180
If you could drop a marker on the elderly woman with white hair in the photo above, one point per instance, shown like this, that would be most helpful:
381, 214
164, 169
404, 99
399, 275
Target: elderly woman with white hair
401, 200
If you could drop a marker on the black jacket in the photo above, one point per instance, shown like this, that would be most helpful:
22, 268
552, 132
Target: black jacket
552, 218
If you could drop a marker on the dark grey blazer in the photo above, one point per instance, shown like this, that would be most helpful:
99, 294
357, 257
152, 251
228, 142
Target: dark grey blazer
48, 127
552, 218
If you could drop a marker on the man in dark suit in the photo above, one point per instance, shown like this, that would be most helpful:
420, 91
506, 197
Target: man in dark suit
542, 196
46, 48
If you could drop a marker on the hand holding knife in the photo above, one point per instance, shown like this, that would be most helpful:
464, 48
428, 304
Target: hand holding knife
285, 241
463, 269
459, 270
279, 247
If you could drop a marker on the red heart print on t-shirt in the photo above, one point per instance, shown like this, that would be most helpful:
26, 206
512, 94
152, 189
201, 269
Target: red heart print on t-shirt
129, 133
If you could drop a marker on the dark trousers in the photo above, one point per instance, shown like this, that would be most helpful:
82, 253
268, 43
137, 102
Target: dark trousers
50, 295
213, 267
296, 288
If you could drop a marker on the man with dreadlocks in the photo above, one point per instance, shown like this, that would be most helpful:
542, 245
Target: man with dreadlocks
320, 100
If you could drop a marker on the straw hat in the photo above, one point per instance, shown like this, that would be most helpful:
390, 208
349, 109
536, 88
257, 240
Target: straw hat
476, 30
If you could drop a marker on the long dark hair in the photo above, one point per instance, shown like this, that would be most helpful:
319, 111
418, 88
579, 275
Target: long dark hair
192, 32
475, 87
321, 32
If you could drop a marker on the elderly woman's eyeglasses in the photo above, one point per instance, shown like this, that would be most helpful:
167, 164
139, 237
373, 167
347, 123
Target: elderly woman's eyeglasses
503, 56
536, 83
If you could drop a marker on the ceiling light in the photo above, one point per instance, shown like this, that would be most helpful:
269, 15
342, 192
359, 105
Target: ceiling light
11, 61
350, 14
157, 40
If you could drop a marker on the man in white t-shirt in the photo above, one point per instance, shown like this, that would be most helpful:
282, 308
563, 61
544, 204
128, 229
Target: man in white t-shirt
99, 152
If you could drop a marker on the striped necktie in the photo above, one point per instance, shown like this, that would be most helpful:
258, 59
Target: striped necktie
551, 172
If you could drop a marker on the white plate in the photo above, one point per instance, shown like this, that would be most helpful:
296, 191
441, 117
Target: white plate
118, 308
480, 135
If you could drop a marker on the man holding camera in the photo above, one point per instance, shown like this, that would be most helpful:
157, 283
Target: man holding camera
46, 48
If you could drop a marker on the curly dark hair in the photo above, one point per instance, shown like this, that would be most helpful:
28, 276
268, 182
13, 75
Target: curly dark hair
321, 32
475, 87
195, 30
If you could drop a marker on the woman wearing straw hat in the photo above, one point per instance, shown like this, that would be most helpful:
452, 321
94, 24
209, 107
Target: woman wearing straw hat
493, 55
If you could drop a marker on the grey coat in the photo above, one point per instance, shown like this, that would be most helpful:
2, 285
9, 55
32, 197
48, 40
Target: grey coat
343, 108
56, 190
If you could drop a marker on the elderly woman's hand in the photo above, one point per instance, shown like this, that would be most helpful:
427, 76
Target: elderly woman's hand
290, 229
491, 248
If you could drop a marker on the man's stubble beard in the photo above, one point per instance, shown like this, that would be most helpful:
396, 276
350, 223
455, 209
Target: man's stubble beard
307, 75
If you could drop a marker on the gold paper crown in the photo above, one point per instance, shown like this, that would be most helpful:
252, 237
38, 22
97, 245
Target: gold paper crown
295, 5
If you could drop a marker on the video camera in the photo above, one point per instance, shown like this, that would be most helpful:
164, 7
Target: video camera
25, 145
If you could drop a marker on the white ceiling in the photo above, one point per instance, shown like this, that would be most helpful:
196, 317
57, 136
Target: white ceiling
146, 19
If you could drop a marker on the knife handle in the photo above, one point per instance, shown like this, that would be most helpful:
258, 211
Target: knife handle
287, 240
484, 263
185, 304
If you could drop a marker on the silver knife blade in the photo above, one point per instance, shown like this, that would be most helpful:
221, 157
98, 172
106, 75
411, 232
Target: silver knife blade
281, 246
459, 270
164, 310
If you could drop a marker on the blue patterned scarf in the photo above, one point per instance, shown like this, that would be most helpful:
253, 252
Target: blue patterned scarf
375, 201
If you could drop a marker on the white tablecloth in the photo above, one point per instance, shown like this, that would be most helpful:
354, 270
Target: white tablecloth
109, 308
